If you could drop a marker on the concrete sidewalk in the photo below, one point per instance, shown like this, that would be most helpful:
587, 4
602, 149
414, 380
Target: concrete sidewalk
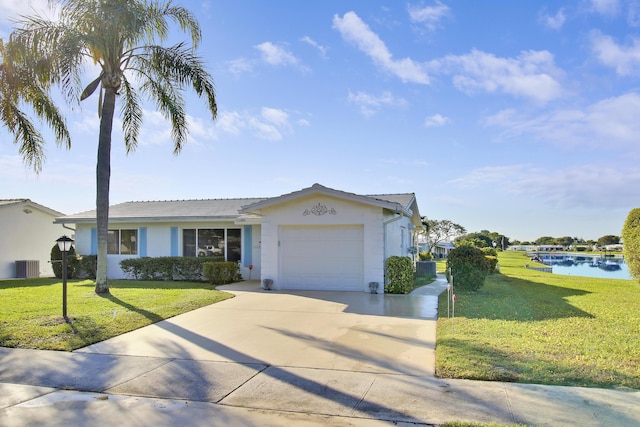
302, 358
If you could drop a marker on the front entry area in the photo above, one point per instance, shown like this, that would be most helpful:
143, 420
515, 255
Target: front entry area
323, 257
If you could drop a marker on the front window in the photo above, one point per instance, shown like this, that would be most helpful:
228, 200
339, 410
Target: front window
212, 242
122, 242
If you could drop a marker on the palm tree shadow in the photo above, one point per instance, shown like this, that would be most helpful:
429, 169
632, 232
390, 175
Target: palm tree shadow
520, 300
153, 317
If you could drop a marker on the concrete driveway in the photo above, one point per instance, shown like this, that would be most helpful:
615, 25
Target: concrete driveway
284, 358
344, 331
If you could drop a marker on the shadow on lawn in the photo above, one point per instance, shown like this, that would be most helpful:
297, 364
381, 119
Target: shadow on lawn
496, 365
509, 298
153, 317
151, 284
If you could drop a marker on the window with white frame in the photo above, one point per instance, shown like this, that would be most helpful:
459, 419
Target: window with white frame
122, 242
212, 242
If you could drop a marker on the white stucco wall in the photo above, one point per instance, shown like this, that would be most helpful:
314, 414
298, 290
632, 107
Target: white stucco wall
346, 213
27, 236
398, 236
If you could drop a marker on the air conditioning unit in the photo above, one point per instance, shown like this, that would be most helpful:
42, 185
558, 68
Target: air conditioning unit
27, 269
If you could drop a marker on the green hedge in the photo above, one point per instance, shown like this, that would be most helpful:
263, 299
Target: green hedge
167, 268
399, 275
221, 273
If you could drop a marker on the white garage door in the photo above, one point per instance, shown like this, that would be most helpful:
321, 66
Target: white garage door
322, 257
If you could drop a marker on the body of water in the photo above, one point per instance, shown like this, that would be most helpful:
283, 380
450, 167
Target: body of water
587, 266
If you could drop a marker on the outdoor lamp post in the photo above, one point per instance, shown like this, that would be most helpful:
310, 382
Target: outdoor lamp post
64, 243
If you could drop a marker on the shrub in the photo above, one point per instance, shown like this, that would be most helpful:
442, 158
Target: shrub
489, 252
56, 262
425, 256
399, 275
469, 267
631, 242
221, 273
166, 268
87, 266
492, 262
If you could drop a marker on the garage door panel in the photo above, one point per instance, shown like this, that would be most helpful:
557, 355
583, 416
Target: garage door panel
322, 257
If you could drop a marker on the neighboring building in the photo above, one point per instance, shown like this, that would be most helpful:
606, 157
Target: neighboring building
441, 250
315, 238
28, 234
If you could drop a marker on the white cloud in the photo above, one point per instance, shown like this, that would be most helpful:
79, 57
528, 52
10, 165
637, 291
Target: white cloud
605, 7
355, 31
612, 121
270, 124
276, 55
370, 104
553, 21
589, 186
239, 65
624, 59
430, 16
531, 75
311, 42
436, 120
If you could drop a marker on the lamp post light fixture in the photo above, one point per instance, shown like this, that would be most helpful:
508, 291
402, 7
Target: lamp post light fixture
64, 244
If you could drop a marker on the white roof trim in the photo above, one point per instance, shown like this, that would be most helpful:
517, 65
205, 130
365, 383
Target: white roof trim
320, 189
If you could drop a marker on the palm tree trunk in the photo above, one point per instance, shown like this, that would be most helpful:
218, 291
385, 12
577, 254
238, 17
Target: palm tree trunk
103, 176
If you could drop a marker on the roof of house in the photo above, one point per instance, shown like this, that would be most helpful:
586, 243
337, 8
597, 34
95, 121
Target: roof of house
28, 204
225, 209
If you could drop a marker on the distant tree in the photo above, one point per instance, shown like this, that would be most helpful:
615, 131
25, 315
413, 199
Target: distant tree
608, 240
545, 240
631, 236
565, 241
483, 239
441, 231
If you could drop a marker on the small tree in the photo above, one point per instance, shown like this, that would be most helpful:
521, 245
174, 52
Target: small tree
438, 231
608, 240
468, 266
631, 236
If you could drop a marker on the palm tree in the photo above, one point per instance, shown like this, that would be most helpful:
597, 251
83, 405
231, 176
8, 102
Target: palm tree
121, 37
19, 86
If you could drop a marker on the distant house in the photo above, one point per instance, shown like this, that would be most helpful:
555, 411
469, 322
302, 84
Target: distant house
28, 234
441, 249
316, 238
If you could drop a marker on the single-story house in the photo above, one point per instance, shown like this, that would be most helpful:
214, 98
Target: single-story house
315, 238
440, 250
28, 234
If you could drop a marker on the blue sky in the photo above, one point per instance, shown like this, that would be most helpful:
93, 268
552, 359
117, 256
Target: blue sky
520, 117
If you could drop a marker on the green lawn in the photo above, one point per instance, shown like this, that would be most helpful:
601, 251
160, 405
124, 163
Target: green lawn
31, 310
534, 327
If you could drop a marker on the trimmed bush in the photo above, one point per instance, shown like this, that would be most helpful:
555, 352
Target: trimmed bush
469, 268
221, 273
425, 256
166, 268
399, 275
56, 262
631, 242
87, 266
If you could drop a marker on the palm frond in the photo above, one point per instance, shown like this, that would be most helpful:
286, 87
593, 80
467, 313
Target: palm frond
131, 116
